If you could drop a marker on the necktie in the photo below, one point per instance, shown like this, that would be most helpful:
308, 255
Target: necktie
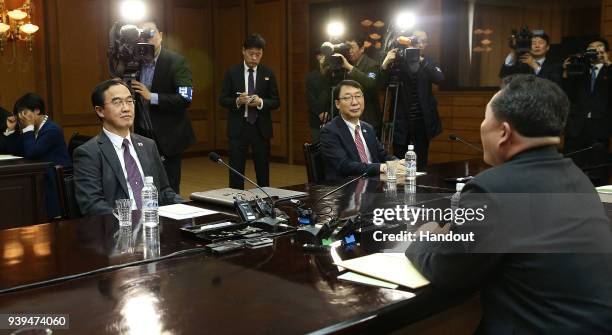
134, 177
360, 147
252, 111
593, 77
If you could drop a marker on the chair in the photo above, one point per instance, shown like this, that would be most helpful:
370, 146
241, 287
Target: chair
314, 162
76, 140
69, 209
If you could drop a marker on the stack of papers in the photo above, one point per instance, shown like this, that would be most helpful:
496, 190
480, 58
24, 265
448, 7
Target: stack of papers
605, 193
391, 268
182, 212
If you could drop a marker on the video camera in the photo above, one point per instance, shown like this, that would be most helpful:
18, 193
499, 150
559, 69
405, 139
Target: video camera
126, 52
520, 41
328, 49
580, 63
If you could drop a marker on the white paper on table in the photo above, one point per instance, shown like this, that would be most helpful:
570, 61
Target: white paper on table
361, 279
181, 211
8, 157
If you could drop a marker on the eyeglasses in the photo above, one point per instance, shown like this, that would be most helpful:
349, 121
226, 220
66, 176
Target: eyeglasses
349, 98
118, 102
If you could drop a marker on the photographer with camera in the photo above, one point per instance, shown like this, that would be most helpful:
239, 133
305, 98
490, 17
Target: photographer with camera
416, 118
587, 81
528, 56
364, 70
165, 85
317, 88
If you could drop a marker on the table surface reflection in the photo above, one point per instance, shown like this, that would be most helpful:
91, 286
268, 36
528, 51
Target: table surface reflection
277, 289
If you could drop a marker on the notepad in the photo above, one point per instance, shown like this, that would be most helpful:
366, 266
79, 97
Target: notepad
361, 279
182, 212
605, 193
390, 267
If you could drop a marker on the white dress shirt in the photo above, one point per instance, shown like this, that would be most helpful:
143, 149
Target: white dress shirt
246, 86
351, 127
117, 142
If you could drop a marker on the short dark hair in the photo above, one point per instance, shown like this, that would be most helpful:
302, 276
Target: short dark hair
359, 38
97, 96
29, 101
602, 40
534, 106
346, 82
543, 36
254, 41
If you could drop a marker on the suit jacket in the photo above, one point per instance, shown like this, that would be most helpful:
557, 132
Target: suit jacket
99, 178
265, 88
583, 101
3, 115
340, 152
49, 146
366, 72
428, 73
550, 70
317, 91
542, 259
171, 123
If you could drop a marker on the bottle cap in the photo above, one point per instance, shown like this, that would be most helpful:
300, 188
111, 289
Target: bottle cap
410, 147
459, 187
148, 179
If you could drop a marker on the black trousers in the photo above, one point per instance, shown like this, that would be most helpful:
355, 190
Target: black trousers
238, 150
172, 164
589, 158
417, 136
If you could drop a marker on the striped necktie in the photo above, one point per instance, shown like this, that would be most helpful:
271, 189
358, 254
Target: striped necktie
133, 174
360, 147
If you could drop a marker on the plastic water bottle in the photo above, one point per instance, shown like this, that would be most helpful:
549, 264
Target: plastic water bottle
149, 203
455, 198
411, 163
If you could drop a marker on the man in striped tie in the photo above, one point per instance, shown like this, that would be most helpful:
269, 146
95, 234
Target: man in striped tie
350, 146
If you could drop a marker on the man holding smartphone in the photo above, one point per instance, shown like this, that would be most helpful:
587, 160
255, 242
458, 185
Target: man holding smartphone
249, 93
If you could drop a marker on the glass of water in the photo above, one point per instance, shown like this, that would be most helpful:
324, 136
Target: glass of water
392, 170
123, 212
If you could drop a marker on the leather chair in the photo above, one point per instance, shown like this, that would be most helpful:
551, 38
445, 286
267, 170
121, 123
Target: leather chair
76, 140
314, 162
69, 209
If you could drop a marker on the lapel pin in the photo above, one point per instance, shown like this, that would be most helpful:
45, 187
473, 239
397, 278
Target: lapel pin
140, 144
266, 78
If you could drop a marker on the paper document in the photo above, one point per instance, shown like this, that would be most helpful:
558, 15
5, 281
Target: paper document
391, 267
361, 279
605, 193
8, 157
181, 211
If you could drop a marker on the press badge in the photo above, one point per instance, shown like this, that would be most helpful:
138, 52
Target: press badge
186, 92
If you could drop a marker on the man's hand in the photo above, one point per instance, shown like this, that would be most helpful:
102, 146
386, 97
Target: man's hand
434, 228
141, 89
11, 122
323, 117
529, 60
390, 58
26, 119
255, 101
345, 63
242, 99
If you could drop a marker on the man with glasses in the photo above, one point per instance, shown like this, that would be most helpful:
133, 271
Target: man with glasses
165, 84
113, 164
350, 146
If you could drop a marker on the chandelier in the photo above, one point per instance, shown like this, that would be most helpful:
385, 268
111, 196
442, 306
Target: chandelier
16, 24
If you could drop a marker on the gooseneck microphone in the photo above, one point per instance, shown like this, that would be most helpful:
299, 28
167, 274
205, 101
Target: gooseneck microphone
215, 157
595, 146
456, 138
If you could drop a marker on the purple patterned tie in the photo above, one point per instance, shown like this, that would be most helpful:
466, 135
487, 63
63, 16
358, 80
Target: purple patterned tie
252, 111
133, 174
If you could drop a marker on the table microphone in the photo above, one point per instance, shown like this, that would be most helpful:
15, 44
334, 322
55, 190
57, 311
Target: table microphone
456, 138
272, 220
596, 145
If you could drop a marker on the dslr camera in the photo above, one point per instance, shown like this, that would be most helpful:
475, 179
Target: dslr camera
127, 52
334, 63
520, 41
580, 63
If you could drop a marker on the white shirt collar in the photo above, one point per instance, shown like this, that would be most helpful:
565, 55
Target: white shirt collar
116, 139
598, 66
351, 125
246, 67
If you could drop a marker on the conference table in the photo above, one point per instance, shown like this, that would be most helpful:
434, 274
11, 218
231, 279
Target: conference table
108, 280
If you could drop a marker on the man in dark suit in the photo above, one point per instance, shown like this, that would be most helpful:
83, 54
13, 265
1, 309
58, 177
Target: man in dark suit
350, 146
317, 90
590, 118
38, 138
165, 84
113, 164
416, 118
4, 114
542, 254
249, 93
533, 62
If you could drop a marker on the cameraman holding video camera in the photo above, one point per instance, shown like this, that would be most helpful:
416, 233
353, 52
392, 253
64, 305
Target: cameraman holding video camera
587, 81
528, 56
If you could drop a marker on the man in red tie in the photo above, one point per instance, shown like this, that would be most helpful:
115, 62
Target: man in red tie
350, 146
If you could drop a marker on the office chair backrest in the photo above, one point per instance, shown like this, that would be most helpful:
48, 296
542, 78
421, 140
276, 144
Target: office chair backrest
314, 162
69, 208
76, 140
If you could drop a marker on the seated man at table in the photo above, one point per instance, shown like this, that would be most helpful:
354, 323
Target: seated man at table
541, 255
113, 164
350, 146
38, 138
